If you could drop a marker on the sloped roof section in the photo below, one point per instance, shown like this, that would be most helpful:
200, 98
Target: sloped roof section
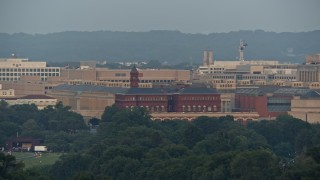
37, 96
312, 94
293, 91
197, 91
89, 88
134, 69
262, 90
145, 91
251, 91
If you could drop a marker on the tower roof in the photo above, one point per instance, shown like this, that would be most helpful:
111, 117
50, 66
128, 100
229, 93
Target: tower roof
134, 69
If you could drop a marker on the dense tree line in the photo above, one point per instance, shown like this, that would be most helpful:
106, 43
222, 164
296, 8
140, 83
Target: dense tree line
129, 145
56, 125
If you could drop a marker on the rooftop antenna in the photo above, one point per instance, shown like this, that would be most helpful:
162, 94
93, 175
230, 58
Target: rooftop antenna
13, 55
241, 50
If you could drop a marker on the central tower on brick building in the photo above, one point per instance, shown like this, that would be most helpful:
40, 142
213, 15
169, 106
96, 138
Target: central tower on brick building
134, 77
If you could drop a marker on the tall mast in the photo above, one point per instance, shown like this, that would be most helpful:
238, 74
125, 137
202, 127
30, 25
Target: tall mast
241, 50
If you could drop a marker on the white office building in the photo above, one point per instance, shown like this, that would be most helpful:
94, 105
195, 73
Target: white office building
12, 69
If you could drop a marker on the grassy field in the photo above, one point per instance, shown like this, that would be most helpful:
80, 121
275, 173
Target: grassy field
30, 160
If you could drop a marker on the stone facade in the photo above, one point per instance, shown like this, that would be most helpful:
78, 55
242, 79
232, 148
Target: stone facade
41, 101
6, 92
88, 100
123, 75
306, 108
23, 88
308, 73
12, 69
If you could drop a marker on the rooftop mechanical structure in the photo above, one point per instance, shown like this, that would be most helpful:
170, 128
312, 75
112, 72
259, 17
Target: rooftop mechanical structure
242, 46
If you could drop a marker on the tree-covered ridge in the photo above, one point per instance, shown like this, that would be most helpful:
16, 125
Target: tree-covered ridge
165, 46
129, 145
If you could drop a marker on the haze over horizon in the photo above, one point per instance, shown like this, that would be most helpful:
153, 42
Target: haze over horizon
203, 16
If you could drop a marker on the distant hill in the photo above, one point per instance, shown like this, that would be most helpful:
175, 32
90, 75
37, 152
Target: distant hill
170, 46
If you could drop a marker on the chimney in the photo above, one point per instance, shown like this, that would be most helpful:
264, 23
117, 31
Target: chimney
205, 57
210, 57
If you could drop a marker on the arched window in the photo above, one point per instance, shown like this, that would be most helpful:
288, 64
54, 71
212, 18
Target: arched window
194, 108
183, 108
214, 108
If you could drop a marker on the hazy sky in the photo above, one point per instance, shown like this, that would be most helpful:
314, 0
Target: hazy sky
190, 16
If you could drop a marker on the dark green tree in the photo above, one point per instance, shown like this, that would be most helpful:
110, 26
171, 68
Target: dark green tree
121, 167
83, 175
70, 166
108, 113
61, 118
9, 167
191, 135
259, 164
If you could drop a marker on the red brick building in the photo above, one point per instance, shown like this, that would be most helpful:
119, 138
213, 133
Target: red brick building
267, 101
167, 100
196, 100
254, 103
160, 100
154, 100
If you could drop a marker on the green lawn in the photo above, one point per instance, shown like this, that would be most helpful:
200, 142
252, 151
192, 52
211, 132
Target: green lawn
30, 160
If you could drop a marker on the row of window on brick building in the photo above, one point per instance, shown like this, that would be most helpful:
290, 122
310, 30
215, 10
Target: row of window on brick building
199, 108
141, 81
184, 108
192, 98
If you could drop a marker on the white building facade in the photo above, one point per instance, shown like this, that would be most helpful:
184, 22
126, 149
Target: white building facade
12, 69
